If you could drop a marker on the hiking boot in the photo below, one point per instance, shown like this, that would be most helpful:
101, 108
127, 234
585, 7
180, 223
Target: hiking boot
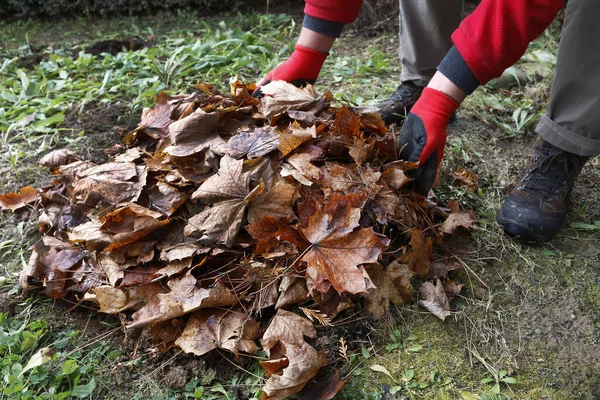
396, 108
536, 209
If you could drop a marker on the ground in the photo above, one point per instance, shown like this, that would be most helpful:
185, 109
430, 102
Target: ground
531, 312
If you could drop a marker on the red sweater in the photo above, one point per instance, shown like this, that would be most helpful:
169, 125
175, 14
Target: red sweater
489, 40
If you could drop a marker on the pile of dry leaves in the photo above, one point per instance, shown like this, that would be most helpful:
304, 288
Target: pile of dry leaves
227, 222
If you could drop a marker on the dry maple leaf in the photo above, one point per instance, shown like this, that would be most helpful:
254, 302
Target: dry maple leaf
210, 329
265, 231
465, 177
346, 123
183, 298
393, 286
280, 96
156, 120
338, 249
303, 363
166, 198
276, 200
351, 179
457, 218
229, 191
289, 328
13, 201
440, 269
361, 151
294, 136
434, 299
253, 144
299, 166
292, 291
323, 389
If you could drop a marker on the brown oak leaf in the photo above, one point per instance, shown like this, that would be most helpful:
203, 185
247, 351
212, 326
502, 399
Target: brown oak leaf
212, 329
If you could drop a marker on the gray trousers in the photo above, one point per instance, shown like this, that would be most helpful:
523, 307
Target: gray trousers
425, 30
572, 122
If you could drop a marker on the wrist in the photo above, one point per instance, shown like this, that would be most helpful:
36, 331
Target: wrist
442, 84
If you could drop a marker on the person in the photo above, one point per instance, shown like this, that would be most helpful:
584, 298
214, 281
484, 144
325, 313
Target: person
487, 42
425, 29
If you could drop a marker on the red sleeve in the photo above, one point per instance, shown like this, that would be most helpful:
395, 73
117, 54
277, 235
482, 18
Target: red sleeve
498, 32
343, 11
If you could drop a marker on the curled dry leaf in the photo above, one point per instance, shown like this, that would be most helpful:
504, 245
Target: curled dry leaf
294, 136
59, 157
465, 177
434, 299
303, 363
13, 201
281, 96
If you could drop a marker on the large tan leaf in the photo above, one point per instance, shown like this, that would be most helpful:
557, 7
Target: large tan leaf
350, 179
338, 247
210, 329
156, 120
281, 96
110, 184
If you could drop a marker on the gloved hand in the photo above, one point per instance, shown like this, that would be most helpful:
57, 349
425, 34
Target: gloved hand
423, 135
301, 68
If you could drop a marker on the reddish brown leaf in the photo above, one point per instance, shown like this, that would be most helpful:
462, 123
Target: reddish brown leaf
166, 333
156, 120
452, 288
361, 151
456, 219
324, 389
346, 123
13, 201
265, 231
420, 254
338, 248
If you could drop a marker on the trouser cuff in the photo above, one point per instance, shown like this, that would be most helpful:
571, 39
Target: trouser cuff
565, 139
